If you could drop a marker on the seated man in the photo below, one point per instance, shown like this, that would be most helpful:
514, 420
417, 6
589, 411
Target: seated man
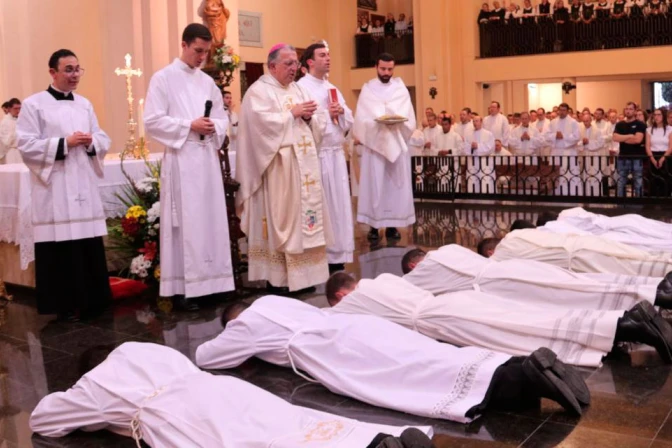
154, 393
454, 268
386, 365
578, 253
634, 230
580, 337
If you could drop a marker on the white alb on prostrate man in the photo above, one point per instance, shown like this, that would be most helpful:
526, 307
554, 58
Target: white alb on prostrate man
454, 268
154, 393
514, 326
281, 200
335, 180
384, 364
195, 248
385, 193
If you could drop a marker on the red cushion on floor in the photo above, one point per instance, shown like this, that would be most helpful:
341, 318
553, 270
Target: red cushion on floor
123, 288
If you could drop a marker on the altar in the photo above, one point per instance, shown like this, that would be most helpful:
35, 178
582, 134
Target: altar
16, 230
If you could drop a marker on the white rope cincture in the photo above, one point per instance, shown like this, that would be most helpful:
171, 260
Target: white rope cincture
291, 360
136, 431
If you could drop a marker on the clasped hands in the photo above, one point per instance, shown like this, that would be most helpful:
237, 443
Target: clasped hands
79, 139
304, 110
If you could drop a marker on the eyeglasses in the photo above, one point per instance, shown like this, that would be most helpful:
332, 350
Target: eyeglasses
291, 64
69, 71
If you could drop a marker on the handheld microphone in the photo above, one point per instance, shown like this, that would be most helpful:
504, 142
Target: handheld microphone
208, 108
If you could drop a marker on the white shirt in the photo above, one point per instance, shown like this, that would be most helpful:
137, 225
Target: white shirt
594, 135
400, 25
499, 126
463, 128
447, 141
660, 140
431, 133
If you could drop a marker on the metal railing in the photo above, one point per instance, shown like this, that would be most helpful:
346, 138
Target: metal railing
543, 35
369, 46
566, 178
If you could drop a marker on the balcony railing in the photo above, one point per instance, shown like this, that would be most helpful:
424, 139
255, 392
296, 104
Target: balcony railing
543, 35
582, 178
369, 46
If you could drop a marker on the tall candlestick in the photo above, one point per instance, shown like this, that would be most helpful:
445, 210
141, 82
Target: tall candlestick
141, 121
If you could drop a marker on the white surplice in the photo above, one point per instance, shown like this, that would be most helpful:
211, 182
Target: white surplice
463, 129
454, 268
65, 197
565, 151
335, 180
531, 147
480, 169
174, 404
430, 136
592, 153
281, 201
195, 246
385, 192
582, 253
9, 153
499, 126
475, 318
363, 357
542, 128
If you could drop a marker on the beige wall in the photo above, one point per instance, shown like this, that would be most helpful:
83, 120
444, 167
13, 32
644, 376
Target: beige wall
296, 22
611, 94
395, 7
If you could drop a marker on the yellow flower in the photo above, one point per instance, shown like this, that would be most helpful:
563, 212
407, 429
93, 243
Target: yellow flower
157, 272
236, 59
136, 212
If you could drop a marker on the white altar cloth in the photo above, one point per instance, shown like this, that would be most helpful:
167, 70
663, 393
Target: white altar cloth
15, 196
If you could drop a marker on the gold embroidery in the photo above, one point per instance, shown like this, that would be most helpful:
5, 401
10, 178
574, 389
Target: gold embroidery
305, 144
308, 183
264, 228
324, 431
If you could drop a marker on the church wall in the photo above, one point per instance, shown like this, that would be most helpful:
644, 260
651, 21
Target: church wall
610, 94
295, 22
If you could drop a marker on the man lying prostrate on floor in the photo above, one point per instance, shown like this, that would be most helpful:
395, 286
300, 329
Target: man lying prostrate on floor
633, 225
387, 365
472, 318
154, 393
578, 253
585, 223
454, 268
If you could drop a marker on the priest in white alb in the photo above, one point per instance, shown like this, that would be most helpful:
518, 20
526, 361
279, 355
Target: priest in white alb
515, 326
64, 148
385, 192
525, 140
454, 268
154, 394
9, 153
281, 199
497, 123
386, 365
195, 247
335, 179
563, 136
592, 145
479, 144
578, 253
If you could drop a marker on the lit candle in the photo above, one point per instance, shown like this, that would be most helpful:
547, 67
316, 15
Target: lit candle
141, 121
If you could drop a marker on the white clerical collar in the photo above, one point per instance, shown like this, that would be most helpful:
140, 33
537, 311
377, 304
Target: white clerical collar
64, 92
184, 66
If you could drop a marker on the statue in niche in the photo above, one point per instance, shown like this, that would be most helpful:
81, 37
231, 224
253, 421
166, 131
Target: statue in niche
214, 15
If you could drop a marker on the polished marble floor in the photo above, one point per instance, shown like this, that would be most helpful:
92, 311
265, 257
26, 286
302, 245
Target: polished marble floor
632, 391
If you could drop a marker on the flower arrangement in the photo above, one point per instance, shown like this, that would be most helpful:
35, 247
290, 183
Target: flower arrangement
227, 62
136, 234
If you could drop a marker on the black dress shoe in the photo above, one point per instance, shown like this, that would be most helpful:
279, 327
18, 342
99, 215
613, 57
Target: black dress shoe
373, 235
668, 276
541, 371
308, 290
664, 294
643, 324
185, 305
279, 290
392, 233
414, 438
547, 359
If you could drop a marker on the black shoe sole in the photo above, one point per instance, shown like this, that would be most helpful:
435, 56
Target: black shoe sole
659, 326
557, 389
414, 438
545, 358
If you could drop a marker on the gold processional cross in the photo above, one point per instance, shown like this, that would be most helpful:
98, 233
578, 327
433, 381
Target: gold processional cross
129, 73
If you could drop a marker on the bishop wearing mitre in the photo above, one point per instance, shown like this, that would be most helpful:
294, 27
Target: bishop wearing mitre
281, 200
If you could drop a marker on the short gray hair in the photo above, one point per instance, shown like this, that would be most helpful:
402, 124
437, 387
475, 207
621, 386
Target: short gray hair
274, 55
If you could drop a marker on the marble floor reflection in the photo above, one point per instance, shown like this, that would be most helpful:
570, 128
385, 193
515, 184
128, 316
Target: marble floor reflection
632, 391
